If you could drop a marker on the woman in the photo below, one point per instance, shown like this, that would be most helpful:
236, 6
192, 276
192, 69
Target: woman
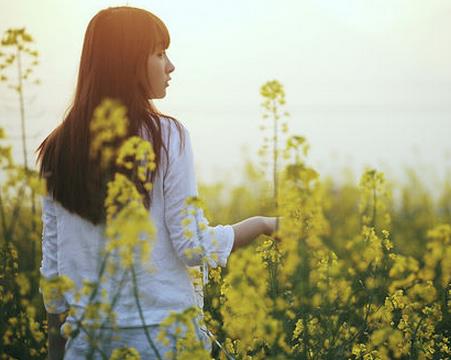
124, 58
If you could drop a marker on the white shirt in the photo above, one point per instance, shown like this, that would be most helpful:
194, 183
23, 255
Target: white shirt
71, 244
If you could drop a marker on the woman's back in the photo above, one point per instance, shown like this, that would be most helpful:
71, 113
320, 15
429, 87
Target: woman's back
73, 246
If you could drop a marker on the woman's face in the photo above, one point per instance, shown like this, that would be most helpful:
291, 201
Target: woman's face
158, 69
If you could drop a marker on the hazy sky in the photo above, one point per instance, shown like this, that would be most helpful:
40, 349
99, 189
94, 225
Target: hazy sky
368, 82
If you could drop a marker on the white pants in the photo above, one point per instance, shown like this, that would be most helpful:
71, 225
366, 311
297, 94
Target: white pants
78, 347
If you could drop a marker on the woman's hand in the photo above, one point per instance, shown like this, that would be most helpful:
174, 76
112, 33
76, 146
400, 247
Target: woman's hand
270, 224
248, 230
56, 343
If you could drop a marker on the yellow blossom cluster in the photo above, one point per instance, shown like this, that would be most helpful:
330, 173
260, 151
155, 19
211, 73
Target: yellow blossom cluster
182, 329
123, 202
108, 125
125, 353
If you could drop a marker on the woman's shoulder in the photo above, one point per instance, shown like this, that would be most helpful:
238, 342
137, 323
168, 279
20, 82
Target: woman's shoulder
174, 132
170, 125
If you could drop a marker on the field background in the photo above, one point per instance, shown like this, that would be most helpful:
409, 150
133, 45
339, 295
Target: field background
363, 268
367, 84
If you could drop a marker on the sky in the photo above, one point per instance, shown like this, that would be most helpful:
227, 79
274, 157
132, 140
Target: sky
367, 82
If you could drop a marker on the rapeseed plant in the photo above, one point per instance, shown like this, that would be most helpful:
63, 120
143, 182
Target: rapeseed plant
22, 332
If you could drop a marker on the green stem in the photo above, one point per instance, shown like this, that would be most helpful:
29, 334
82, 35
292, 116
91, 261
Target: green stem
22, 109
146, 331
116, 295
91, 298
373, 222
2, 214
413, 352
275, 154
15, 214
33, 244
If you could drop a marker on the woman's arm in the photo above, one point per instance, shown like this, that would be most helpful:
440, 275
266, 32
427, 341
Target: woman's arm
247, 230
56, 342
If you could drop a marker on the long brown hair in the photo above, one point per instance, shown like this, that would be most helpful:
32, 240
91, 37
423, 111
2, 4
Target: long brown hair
117, 43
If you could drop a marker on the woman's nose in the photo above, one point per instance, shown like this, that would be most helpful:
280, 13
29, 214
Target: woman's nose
170, 67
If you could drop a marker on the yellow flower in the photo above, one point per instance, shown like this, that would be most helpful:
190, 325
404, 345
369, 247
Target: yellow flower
108, 124
125, 353
24, 283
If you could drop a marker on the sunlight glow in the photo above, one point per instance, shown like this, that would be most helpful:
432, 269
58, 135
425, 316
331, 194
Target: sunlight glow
366, 15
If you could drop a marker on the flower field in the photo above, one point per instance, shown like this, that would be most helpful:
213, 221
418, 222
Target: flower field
353, 274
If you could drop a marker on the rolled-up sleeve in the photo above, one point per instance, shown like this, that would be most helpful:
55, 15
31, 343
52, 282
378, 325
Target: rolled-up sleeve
54, 302
193, 239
